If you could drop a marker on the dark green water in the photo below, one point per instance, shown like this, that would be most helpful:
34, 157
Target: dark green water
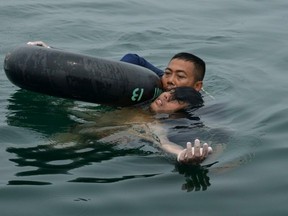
244, 45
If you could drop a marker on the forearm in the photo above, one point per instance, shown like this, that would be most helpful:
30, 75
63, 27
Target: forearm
163, 142
189, 155
171, 148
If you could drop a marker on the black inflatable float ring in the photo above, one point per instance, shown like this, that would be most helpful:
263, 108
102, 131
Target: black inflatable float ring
80, 77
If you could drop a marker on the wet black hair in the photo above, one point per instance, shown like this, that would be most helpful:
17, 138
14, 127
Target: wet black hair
188, 95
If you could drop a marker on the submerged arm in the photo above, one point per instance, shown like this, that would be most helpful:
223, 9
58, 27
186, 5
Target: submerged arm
190, 155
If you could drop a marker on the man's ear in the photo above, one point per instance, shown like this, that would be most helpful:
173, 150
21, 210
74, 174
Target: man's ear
198, 85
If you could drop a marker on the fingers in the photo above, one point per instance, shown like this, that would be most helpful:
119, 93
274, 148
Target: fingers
189, 152
194, 155
197, 148
35, 43
38, 43
210, 150
205, 150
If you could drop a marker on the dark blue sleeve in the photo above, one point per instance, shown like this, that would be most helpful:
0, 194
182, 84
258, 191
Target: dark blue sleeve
137, 60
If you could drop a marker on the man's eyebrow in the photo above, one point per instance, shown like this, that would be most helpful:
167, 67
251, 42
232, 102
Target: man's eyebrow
167, 68
177, 71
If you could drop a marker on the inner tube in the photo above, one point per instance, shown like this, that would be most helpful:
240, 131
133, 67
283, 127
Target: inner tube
80, 77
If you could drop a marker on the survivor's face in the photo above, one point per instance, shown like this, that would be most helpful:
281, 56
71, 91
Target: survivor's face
165, 103
180, 73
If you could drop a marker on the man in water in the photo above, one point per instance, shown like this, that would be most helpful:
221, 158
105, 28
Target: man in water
184, 69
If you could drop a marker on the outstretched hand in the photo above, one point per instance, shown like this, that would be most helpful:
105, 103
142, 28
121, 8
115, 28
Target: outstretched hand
194, 155
38, 43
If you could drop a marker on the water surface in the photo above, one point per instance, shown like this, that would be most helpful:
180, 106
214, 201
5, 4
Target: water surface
243, 43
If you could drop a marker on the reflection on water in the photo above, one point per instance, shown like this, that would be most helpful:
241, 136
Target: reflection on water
25, 182
196, 177
38, 112
110, 180
54, 159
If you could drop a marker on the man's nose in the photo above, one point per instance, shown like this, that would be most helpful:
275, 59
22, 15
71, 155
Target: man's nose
171, 79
